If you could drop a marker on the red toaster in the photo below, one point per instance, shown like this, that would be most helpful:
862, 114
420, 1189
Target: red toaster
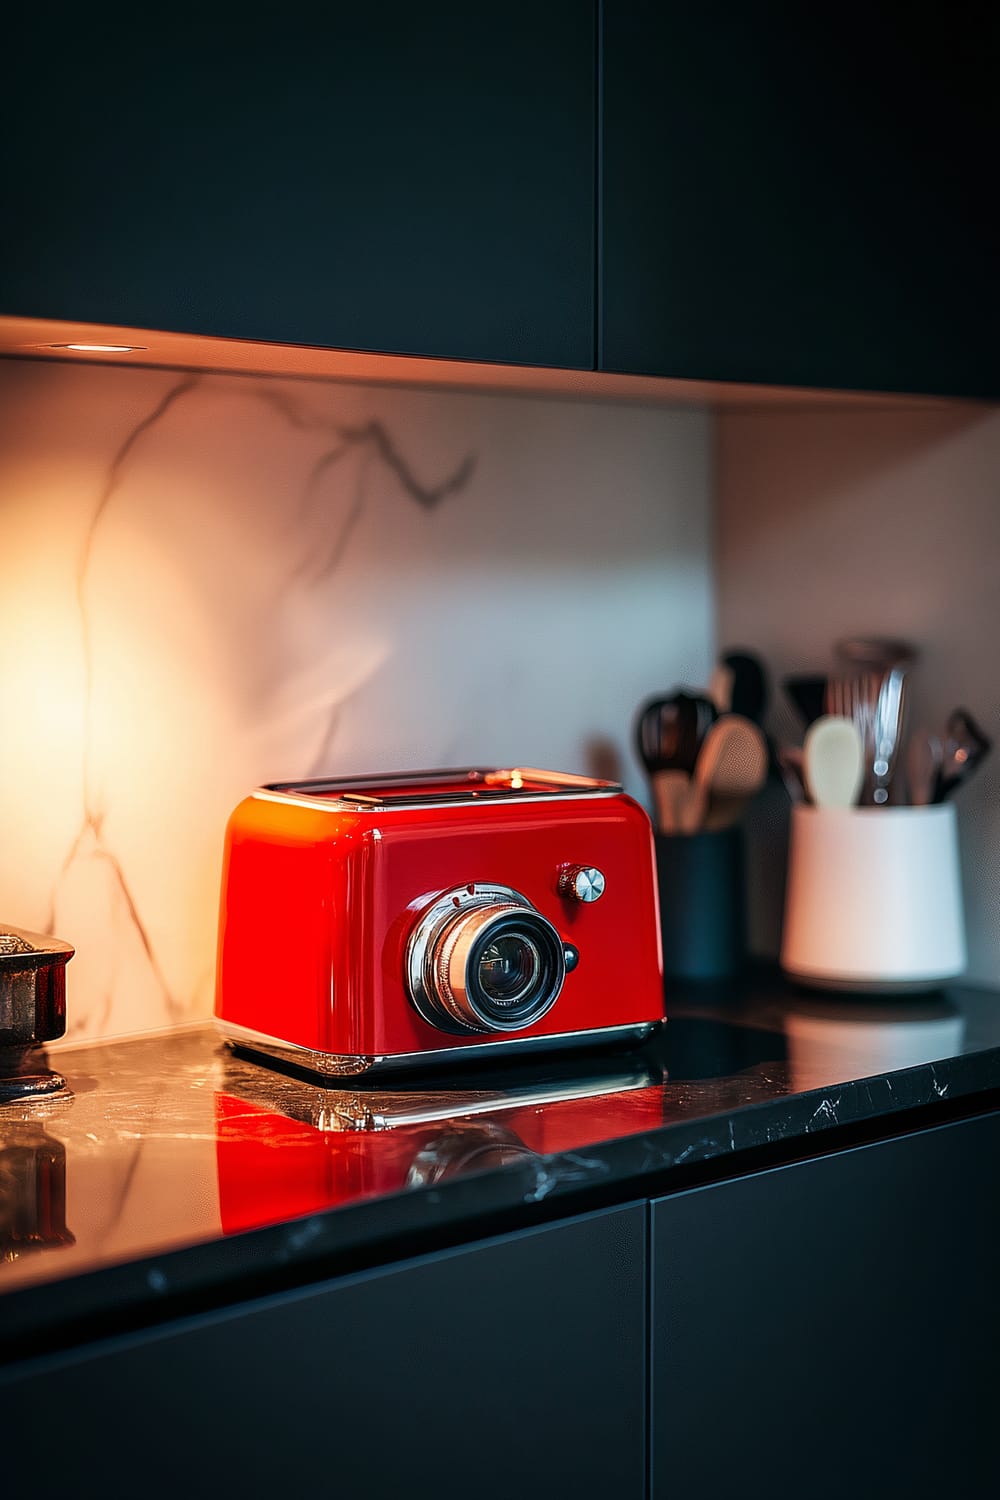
393, 922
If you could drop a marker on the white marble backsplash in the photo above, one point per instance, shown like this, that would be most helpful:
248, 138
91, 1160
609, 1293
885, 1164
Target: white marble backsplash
207, 582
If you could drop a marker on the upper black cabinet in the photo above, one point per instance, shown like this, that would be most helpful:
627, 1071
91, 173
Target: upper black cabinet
387, 176
760, 193
802, 196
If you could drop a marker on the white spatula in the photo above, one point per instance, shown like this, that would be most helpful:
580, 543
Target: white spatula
834, 761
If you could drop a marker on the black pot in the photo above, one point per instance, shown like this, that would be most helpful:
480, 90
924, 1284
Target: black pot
32, 1010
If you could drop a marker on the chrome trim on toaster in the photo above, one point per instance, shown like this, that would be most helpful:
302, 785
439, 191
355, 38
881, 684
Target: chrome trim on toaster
336, 1065
330, 1064
563, 785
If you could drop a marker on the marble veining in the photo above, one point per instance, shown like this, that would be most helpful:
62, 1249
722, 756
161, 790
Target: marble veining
560, 1171
372, 441
826, 1111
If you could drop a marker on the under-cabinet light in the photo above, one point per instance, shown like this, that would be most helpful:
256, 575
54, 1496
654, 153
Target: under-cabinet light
96, 348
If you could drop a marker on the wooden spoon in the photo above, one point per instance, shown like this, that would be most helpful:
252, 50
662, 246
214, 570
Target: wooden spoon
730, 770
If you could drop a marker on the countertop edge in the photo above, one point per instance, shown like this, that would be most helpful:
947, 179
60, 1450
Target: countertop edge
50, 1316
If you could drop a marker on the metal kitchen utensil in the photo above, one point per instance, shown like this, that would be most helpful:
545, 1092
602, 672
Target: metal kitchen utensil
749, 691
833, 756
808, 694
698, 714
730, 771
923, 763
670, 729
887, 732
850, 697
792, 768
875, 653
963, 746
856, 698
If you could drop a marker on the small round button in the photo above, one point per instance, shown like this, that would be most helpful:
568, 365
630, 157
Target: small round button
581, 882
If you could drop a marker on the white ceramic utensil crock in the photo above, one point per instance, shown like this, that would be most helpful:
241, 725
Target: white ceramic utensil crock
874, 900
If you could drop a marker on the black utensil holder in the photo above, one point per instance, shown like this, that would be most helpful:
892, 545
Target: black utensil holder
702, 885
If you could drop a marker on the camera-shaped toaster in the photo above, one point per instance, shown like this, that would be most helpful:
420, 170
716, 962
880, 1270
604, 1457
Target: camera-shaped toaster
396, 922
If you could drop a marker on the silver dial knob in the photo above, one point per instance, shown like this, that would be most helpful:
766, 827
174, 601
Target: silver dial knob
581, 882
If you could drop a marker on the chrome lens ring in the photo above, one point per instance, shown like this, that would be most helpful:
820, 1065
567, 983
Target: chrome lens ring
450, 960
531, 963
482, 959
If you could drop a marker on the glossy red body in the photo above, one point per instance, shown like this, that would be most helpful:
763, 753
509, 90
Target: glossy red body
319, 899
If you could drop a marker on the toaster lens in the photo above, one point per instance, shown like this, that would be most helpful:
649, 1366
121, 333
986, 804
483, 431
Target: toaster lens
482, 958
514, 970
509, 968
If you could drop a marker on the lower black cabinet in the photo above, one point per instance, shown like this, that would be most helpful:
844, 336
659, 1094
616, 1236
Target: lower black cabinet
825, 1329
514, 1368
831, 1328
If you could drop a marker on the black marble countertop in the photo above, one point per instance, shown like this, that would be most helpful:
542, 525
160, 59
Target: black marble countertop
177, 1176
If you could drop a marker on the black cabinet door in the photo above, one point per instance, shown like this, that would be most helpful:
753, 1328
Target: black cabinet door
802, 195
417, 178
515, 1368
831, 1328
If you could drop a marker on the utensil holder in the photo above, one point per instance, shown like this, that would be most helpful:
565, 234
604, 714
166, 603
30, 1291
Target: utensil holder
702, 904
873, 900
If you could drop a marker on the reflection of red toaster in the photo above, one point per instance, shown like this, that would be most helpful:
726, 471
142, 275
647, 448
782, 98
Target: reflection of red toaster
286, 1148
394, 921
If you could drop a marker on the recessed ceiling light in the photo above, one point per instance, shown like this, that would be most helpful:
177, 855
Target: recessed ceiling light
96, 348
